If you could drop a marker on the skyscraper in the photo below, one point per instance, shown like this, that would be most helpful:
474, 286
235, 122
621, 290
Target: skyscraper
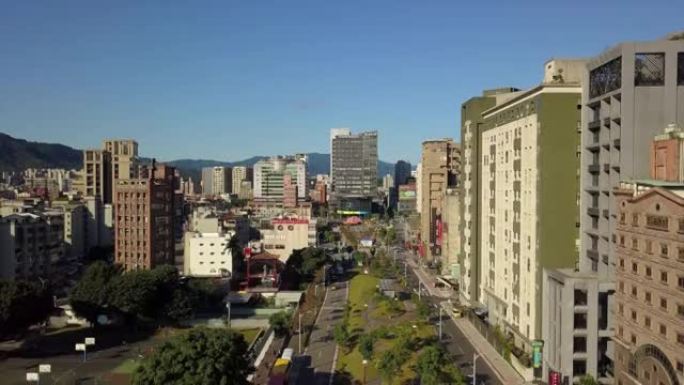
269, 178
402, 172
217, 181
354, 168
241, 174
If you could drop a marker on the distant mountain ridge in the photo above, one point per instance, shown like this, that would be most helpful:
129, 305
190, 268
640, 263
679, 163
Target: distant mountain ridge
19, 154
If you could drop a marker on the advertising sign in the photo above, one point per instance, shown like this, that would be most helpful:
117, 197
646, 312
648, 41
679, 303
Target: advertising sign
537, 348
554, 378
45, 368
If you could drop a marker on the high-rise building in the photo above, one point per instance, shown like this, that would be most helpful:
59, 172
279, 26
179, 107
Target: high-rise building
631, 92
354, 169
217, 181
124, 157
387, 182
97, 174
528, 195
145, 219
402, 172
440, 162
241, 174
471, 129
269, 178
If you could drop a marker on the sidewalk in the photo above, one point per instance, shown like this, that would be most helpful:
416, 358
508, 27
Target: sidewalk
503, 369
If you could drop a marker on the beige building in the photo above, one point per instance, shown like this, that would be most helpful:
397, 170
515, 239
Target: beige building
439, 165
124, 156
452, 239
649, 300
286, 234
207, 255
241, 174
97, 174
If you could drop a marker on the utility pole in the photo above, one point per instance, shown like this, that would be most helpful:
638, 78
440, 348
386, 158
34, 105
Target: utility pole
440, 323
300, 333
475, 356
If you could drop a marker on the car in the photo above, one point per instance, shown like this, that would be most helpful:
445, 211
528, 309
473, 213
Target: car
457, 312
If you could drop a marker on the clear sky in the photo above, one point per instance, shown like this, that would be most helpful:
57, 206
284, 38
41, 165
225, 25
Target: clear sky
233, 78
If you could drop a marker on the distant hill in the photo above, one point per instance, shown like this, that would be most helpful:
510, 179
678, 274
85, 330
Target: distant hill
19, 154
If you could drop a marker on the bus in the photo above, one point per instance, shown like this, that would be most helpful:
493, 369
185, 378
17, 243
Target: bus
281, 368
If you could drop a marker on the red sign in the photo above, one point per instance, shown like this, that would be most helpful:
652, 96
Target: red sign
290, 221
554, 378
247, 251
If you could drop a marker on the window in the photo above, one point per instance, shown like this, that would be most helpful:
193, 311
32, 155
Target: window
622, 240
635, 267
680, 338
635, 220
647, 321
663, 250
580, 344
633, 339
663, 303
634, 316
621, 285
680, 364
634, 291
680, 310
622, 264
648, 271
649, 69
680, 282
663, 330
663, 276
680, 253
579, 367
621, 309
647, 297
680, 68
635, 244
649, 247
605, 78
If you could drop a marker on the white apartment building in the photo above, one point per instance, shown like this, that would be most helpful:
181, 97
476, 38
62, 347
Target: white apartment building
207, 255
287, 234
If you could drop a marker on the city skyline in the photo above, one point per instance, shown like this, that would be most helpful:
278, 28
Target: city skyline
214, 80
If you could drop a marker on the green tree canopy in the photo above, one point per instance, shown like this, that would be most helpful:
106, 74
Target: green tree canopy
201, 356
23, 304
92, 292
431, 367
280, 322
587, 379
366, 342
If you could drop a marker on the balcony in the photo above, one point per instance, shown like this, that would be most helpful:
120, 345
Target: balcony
616, 143
593, 211
593, 147
593, 254
595, 125
594, 168
606, 167
606, 213
606, 122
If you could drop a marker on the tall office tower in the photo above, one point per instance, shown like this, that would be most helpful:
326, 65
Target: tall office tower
649, 251
387, 182
241, 174
289, 191
269, 178
97, 174
440, 161
631, 92
528, 166
144, 219
419, 187
354, 170
217, 181
471, 127
124, 155
334, 133
402, 172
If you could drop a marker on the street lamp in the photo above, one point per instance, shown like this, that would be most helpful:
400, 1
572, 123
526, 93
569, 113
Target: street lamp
475, 357
228, 313
300, 330
365, 363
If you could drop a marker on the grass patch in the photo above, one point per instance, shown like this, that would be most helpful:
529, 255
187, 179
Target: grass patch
361, 290
127, 367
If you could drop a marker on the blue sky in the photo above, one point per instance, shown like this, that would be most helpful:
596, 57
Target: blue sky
229, 79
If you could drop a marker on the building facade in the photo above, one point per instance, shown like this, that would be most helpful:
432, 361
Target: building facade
354, 164
207, 255
649, 300
402, 173
440, 162
97, 174
471, 127
269, 178
286, 234
217, 181
144, 219
241, 174
667, 150
528, 199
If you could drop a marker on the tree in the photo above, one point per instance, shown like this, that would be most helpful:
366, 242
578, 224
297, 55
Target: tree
390, 364
342, 335
366, 342
431, 366
280, 322
134, 294
23, 304
587, 379
90, 297
201, 356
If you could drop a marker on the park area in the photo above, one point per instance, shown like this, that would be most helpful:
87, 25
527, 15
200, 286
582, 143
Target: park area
394, 337
112, 360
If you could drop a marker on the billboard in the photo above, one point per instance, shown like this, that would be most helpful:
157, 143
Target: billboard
407, 194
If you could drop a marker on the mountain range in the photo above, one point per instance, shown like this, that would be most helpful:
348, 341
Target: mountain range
19, 154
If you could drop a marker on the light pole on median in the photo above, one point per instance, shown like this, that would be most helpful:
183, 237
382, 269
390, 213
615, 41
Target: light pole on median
440, 323
365, 363
300, 333
475, 357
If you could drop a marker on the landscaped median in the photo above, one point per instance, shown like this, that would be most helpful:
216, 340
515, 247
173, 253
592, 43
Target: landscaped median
388, 334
